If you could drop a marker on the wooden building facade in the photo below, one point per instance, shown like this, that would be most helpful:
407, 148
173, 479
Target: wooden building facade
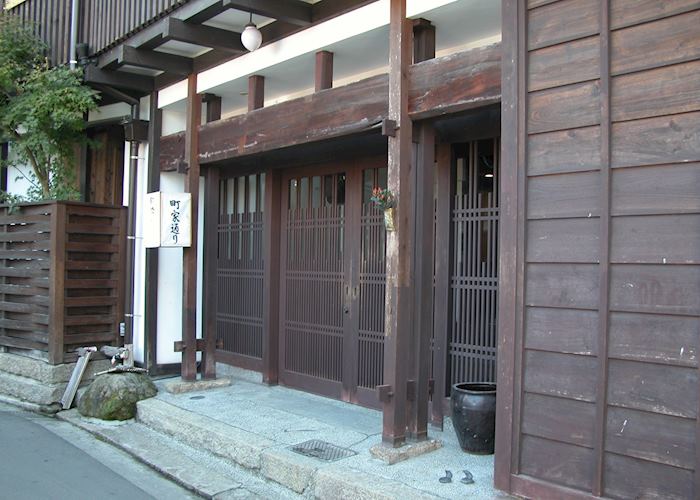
547, 228
600, 291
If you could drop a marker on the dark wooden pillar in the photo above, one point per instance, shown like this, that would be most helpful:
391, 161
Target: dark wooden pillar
399, 246
423, 40
511, 253
189, 312
443, 304
323, 74
256, 92
423, 287
213, 110
272, 227
155, 121
423, 49
211, 240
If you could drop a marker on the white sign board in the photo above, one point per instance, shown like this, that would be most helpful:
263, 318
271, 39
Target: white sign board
151, 220
175, 219
168, 220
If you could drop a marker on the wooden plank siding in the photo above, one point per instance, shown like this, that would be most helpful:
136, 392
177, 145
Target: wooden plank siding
606, 114
61, 277
102, 22
347, 110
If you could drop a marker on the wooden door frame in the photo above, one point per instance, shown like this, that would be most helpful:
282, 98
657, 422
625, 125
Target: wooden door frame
328, 388
353, 169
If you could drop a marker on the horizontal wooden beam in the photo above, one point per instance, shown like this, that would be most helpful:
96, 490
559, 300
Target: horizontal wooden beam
455, 83
172, 149
323, 115
150, 59
290, 11
446, 85
206, 36
119, 79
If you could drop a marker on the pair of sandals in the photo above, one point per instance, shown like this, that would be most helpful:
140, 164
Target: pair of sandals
467, 479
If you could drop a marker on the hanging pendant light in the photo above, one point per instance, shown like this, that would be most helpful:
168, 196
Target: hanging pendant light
251, 38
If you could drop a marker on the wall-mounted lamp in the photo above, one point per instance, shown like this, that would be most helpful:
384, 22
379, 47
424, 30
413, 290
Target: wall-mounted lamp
251, 38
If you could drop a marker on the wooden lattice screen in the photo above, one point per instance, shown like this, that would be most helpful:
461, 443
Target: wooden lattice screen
61, 277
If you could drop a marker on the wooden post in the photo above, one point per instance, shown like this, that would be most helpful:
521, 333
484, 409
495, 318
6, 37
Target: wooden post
256, 92
323, 74
423, 40
510, 258
211, 237
213, 103
271, 276
423, 253
57, 280
155, 120
189, 256
443, 304
399, 245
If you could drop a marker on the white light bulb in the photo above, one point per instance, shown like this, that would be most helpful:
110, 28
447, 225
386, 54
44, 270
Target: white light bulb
251, 38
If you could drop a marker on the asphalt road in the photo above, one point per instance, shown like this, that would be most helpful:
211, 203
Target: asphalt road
44, 458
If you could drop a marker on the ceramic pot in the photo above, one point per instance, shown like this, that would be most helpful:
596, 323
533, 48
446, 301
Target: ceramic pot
474, 416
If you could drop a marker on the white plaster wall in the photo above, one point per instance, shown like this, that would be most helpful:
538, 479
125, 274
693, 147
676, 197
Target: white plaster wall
16, 180
170, 275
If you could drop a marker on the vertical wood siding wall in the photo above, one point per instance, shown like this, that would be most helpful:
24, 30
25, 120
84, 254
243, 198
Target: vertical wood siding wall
607, 122
102, 22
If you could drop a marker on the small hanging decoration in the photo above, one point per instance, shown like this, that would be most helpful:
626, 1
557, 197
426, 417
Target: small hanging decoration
385, 200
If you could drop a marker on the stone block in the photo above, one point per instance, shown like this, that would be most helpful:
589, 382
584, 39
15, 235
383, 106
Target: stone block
180, 386
395, 455
225, 441
343, 482
288, 469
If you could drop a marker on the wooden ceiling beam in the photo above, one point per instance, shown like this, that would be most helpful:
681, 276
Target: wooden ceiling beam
206, 36
143, 58
168, 63
119, 80
290, 11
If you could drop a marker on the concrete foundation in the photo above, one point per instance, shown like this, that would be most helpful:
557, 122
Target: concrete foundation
37, 383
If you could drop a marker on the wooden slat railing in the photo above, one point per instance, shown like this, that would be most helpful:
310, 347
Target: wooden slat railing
61, 277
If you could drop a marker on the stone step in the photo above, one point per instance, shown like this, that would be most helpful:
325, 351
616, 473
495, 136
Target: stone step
45, 373
29, 390
199, 472
268, 459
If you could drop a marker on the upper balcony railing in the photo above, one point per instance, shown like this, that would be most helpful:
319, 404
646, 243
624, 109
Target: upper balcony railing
101, 23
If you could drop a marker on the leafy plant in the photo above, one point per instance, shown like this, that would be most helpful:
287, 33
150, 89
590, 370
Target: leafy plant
383, 198
42, 112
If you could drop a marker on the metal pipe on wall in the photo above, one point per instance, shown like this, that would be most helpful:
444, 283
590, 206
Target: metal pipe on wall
131, 234
75, 12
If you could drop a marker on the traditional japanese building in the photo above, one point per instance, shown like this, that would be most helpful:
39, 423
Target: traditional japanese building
544, 156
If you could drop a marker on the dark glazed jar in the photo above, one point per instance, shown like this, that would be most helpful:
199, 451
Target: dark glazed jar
474, 416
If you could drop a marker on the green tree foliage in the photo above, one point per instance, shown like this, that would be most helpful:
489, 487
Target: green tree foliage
41, 112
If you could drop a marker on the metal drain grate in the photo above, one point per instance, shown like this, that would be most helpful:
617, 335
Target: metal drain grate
322, 450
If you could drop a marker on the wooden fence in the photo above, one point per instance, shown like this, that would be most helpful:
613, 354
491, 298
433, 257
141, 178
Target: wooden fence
61, 277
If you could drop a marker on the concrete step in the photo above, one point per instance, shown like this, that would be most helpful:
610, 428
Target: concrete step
199, 472
270, 460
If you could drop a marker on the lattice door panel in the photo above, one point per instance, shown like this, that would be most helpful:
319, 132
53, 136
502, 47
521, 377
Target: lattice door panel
474, 282
314, 276
239, 318
370, 369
